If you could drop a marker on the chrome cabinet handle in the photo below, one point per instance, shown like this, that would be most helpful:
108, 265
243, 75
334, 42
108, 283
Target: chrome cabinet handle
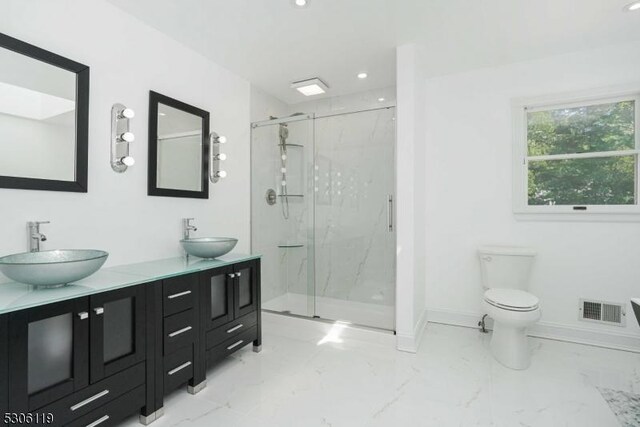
89, 400
231, 275
232, 346
179, 368
238, 274
235, 328
83, 315
98, 421
179, 294
99, 310
180, 331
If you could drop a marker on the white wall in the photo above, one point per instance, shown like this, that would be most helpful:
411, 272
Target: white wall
410, 182
127, 59
469, 201
264, 105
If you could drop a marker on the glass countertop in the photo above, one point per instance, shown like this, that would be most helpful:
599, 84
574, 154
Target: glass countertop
18, 296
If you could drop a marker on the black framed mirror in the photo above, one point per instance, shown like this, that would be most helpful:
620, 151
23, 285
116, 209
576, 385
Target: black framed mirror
178, 148
44, 119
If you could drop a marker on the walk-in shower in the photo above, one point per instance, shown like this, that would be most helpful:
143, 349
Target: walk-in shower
329, 248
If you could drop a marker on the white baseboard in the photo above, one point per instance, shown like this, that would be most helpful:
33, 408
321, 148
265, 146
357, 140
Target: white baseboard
411, 342
580, 335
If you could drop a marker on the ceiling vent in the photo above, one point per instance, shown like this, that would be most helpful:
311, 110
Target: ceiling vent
602, 312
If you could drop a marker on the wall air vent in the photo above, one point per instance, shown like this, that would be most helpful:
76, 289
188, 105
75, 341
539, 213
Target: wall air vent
602, 312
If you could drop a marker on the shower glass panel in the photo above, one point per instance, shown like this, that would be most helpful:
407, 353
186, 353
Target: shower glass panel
322, 215
355, 239
281, 164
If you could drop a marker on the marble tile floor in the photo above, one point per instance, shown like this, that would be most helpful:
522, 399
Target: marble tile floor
313, 374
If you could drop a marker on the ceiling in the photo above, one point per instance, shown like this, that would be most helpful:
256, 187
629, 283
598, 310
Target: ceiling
271, 43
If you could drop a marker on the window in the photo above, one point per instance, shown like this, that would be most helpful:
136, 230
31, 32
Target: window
577, 156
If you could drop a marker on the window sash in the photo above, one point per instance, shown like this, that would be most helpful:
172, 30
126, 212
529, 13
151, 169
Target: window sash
590, 155
521, 158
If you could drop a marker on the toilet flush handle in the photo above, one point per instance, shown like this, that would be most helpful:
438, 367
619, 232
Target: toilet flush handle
487, 258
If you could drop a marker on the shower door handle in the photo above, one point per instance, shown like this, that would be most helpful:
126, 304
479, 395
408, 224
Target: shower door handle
390, 212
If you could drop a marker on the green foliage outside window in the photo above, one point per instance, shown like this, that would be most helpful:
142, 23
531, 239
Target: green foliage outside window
585, 129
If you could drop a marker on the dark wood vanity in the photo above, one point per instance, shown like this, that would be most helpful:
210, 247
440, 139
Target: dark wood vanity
98, 359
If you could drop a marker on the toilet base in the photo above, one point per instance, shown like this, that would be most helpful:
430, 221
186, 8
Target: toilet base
510, 346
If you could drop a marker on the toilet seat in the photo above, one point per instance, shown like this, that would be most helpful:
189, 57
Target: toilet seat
511, 299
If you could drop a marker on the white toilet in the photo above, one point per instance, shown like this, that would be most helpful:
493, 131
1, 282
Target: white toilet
505, 278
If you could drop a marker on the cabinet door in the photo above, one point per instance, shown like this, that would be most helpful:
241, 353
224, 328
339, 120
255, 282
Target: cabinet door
117, 331
246, 288
49, 353
217, 291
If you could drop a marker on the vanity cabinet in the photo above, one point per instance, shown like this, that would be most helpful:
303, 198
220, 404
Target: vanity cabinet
71, 357
97, 359
230, 309
178, 321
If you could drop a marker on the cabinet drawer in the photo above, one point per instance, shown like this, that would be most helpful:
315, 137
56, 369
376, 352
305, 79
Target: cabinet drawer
179, 331
231, 345
231, 329
114, 412
178, 368
178, 293
96, 395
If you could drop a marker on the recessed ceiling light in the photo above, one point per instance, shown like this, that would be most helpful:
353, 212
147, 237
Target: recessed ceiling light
362, 75
300, 3
632, 6
310, 87
380, 99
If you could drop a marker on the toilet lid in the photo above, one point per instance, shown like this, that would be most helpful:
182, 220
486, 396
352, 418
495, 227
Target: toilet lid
511, 299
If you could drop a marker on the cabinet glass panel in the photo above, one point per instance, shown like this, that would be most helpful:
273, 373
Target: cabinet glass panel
244, 288
118, 329
218, 296
50, 352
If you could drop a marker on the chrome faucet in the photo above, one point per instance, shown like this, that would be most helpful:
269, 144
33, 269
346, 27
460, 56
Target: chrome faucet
187, 227
35, 236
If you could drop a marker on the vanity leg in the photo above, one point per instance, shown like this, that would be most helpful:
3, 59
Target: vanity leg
196, 388
257, 345
148, 419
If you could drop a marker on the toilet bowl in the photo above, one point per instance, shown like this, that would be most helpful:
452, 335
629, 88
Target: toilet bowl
512, 312
505, 274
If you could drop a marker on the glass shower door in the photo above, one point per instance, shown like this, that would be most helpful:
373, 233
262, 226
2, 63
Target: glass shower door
282, 212
354, 183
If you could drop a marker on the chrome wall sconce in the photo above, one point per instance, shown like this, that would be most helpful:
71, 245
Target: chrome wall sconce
121, 137
215, 173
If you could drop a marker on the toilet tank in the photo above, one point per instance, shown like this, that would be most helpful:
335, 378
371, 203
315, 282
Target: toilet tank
506, 267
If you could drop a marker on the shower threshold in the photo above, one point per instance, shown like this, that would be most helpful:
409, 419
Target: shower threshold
357, 314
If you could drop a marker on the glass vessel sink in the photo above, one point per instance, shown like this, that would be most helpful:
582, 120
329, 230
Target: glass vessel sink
208, 247
52, 268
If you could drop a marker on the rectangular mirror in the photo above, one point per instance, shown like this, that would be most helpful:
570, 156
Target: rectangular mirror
44, 119
178, 148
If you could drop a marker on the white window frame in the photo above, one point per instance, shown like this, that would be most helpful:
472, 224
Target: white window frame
520, 108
